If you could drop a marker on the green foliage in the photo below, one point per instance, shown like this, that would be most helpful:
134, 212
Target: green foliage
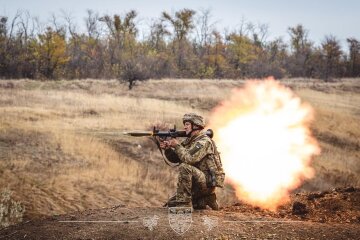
206, 71
241, 53
50, 51
241, 49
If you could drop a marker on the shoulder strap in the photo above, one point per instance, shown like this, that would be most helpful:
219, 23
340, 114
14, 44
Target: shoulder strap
214, 146
201, 136
162, 154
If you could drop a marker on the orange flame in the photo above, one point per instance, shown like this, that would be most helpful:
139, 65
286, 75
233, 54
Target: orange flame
266, 146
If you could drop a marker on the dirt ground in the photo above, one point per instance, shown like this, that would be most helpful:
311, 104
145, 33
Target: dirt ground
230, 225
322, 215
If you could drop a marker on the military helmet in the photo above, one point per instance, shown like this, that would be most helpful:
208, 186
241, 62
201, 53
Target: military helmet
194, 119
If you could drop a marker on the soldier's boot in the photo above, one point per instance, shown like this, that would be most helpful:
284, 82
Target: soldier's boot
199, 204
172, 199
176, 202
211, 201
208, 200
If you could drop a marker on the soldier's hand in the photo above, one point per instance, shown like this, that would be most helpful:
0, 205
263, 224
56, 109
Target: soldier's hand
164, 145
173, 142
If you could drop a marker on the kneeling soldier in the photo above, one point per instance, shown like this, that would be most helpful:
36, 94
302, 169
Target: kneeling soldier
200, 169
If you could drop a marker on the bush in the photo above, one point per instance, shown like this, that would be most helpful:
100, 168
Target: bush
11, 212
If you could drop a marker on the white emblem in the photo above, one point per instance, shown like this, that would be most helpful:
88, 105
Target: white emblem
210, 222
180, 219
150, 222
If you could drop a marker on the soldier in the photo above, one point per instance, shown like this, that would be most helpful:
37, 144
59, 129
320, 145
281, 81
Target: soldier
200, 170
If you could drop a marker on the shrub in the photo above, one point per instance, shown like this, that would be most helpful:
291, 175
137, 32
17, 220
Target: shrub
11, 212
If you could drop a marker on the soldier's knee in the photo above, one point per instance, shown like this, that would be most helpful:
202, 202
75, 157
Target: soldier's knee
184, 168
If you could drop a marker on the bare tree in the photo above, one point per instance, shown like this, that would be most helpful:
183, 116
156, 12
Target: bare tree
204, 27
38, 25
243, 27
301, 47
158, 32
92, 24
182, 24
299, 38
354, 57
13, 24
332, 53
69, 23
59, 27
3, 26
24, 25
121, 28
260, 34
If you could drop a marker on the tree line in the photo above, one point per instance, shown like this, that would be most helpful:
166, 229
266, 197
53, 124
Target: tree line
181, 44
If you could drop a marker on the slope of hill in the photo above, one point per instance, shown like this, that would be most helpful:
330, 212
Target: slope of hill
61, 147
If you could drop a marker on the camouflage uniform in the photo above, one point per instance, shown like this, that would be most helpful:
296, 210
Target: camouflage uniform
194, 173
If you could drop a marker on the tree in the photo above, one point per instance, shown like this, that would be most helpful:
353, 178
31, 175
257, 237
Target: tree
241, 52
213, 63
271, 60
301, 47
3, 39
204, 29
123, 30
182, 24
87, 50
135, 69
354, 57
332, 56
3, 28
121, 40
158, 32
50, 52
179, 44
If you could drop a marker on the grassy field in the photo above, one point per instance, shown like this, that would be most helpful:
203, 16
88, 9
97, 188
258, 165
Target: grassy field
62, 148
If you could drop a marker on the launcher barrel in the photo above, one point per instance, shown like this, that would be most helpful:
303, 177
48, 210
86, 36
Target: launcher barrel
138, 134
163, 134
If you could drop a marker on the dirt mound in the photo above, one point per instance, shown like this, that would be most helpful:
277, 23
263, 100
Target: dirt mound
340, 205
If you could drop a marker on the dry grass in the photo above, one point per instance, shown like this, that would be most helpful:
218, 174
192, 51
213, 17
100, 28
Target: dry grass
337, 127
61, 147
53, 158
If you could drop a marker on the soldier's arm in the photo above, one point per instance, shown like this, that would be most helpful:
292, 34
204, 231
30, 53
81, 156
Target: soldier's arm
195, 154
171, 155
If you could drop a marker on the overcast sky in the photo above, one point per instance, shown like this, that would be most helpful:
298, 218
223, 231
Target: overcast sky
340, 18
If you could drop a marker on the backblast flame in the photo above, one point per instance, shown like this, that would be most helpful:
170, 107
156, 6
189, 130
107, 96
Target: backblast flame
266, 146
